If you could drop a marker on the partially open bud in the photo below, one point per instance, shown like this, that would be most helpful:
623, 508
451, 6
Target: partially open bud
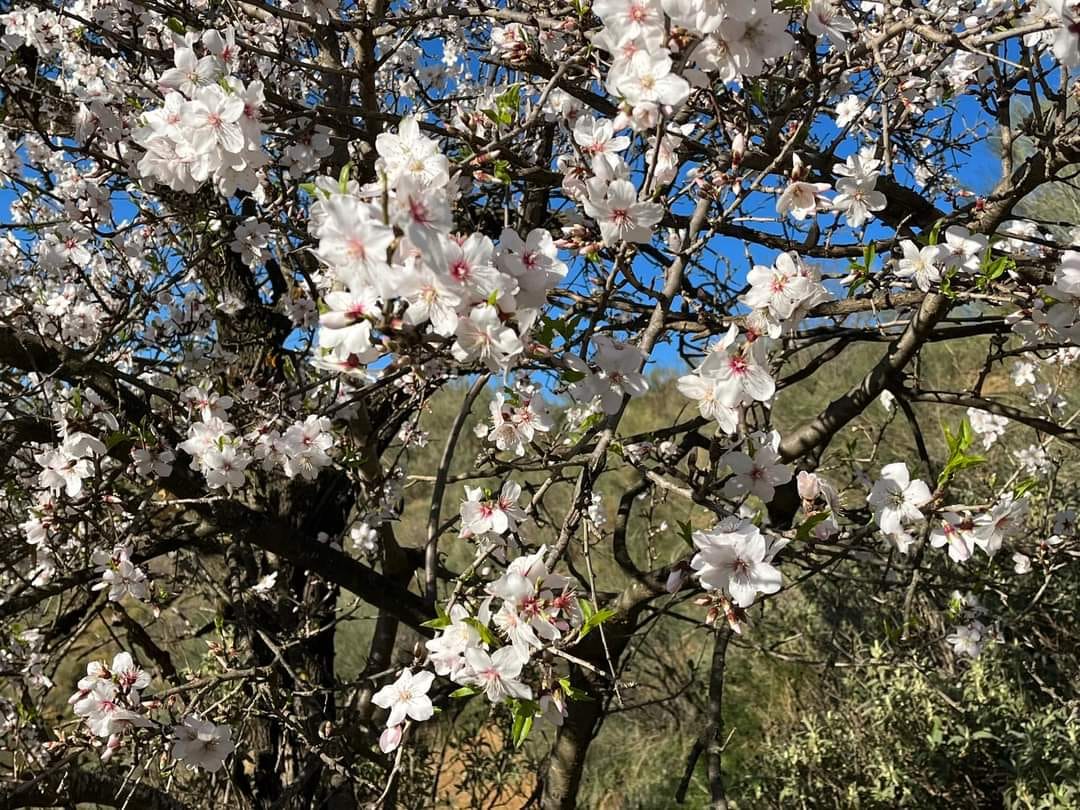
738, 149
676, 579
798, 171
111, 747
808, 486
390, 739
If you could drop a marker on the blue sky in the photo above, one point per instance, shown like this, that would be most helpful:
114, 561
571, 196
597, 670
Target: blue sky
979, 173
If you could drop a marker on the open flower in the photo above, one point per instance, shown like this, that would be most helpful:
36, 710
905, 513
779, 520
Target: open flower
620, 216
953, 532
857, 200
104, 712
620, 363
896, 499
736, 559
824, 19
213, 120
1005, 520
497, 674
758, 476
646, 79
968, 639
406, 697
801, 199
920, 264
200, 743
483, 336
778, 289
963, 249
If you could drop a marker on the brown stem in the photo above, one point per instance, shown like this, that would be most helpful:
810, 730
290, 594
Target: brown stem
710, 739
818, 433
716, 721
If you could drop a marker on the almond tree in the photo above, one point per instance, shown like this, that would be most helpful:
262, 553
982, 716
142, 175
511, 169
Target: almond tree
247, 244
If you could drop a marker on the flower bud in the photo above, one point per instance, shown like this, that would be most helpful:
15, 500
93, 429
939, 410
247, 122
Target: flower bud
808, 486
390, 739
738, 149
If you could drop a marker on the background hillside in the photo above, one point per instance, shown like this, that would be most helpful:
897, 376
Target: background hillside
821, 708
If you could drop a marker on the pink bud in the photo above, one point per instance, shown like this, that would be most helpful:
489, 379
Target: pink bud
738, 149
797, 171
390, 739
111, 747
808, 485
675, 580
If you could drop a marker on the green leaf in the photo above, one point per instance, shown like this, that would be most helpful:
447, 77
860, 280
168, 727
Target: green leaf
1025, 486
594, 420
862, 277
992, 269
806, 528
343, 177
546, 332
571, 692
593, 617
508, 103
114, 439
869, 256
522, 726
511, 97
506, 106
176, 25
464, 692
967, 434
549, 327
757, 94
601, 616
946, 284
959, 458
440, 621
485, 634
935, 232
587, 608
502, 172
566, 327
524, 712
686, 531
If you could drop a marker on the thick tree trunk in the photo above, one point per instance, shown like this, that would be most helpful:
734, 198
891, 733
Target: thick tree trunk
567, 763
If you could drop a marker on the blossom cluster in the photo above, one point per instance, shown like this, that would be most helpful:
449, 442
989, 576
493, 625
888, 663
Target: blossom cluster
732, 376
388, 248
208, 125
110, 702
524, 611
222, 455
